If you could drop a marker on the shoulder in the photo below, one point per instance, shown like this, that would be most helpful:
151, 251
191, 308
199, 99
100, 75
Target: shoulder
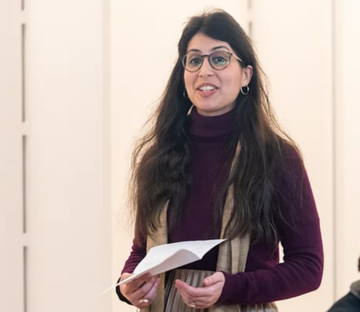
290, 153
348, 303
290, 164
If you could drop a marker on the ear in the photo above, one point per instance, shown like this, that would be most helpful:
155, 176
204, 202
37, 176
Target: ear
248, 72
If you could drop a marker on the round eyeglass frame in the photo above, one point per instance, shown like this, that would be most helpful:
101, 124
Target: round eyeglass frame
208, 56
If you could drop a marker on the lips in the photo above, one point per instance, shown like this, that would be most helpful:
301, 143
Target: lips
207, 92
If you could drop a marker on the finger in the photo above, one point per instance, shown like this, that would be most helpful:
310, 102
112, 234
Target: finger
189, 299
151, 294
125, 276
185, 298
201, 302
123, 289
192, 291
148, 298
211, 294
183, 295
141, 304
135, 284
217, 277
143, 290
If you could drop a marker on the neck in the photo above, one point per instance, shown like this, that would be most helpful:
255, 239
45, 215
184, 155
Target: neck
211, 126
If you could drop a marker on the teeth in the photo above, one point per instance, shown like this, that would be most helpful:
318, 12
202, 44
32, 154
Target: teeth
207, 88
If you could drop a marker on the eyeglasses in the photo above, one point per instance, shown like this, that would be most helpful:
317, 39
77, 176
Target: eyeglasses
218, 60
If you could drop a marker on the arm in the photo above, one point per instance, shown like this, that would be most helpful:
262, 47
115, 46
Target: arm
302, 269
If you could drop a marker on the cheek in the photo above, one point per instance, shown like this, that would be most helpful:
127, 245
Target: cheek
189, 80
232, 85
232, 80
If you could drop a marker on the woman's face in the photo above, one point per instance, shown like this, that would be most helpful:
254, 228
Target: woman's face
226, 82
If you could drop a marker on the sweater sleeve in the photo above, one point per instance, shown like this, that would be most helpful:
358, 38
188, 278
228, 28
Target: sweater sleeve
137, 254
302, 269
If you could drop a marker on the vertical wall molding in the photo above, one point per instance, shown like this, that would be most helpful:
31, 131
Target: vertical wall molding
250, 18
346, 113
24, 147
334, 138
25, 278
13, 155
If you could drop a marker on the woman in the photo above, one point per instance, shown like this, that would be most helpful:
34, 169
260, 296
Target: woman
216, 164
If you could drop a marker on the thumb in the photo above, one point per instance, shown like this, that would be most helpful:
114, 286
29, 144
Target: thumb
125, 276
213, 279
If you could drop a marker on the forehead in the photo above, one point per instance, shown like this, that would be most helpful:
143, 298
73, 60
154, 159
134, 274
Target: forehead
206, 44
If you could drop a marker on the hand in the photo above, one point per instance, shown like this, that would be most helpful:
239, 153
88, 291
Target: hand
202, 297
142, 291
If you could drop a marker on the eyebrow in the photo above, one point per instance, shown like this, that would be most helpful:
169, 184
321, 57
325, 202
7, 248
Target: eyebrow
213, 49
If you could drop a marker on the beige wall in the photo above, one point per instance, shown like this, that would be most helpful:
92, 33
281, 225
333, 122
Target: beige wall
68, 216
68, 219
347, 94
67, 157
76, 244
11, 129
295, 47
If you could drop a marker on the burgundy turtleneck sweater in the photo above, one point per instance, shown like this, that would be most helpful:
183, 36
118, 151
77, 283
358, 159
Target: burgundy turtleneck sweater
264, 279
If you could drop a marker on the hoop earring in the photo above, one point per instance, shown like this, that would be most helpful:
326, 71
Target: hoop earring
185, 95
190, 110
247, 90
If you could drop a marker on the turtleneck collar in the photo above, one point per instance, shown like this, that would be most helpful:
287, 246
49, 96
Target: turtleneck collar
211, 126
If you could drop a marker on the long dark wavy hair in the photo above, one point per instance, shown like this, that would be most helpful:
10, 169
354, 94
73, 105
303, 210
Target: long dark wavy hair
161, 157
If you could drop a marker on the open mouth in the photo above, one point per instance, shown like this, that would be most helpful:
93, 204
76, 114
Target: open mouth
207, 90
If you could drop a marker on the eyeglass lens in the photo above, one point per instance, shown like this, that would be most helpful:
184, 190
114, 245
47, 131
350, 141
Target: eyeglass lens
218, 60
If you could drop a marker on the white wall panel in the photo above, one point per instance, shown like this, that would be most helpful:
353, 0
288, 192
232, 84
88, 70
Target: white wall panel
294, 43
347, 92
11, 159
69, 216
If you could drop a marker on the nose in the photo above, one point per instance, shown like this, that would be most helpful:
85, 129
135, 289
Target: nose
206, 69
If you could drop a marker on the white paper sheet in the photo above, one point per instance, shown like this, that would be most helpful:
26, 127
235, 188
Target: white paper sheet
170, 256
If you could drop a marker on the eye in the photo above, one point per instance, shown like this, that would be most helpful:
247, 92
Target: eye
194, 60
219, 59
